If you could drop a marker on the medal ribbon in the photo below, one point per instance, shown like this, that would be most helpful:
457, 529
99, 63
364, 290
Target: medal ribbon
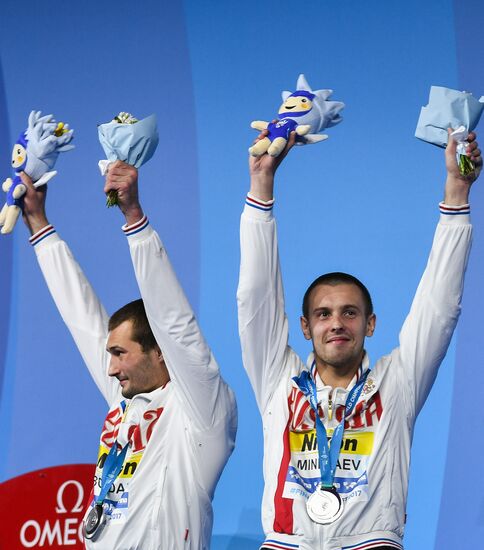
328, 454
112, 466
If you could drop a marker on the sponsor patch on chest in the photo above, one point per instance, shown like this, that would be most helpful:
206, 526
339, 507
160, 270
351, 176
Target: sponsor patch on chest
116, 503
351, 479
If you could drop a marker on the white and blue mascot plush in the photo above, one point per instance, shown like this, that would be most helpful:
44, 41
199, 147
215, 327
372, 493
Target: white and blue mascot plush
304, 111
35, 153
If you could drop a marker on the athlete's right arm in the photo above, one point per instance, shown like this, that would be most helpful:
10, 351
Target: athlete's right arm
74, 297
263, 325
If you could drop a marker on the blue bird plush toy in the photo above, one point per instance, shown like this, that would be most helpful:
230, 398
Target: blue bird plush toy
304, 111
35, 152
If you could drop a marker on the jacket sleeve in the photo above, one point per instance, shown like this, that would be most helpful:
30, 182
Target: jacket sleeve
263, 326
78, 305
428, 329
192, 367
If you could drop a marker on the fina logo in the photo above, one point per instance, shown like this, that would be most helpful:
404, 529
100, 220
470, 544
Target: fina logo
64, 531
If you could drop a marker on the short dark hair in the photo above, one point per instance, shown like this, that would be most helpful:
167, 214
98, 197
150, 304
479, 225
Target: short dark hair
334, 279
140, 328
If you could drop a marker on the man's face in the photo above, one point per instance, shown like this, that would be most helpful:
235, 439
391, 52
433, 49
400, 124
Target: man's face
136, 370
337, 324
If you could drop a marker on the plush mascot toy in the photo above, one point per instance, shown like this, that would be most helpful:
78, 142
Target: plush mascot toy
305, 111
35, 153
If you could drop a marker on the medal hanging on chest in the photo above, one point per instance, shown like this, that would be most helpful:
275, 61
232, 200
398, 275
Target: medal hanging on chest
324, 505
96, 519
94, 522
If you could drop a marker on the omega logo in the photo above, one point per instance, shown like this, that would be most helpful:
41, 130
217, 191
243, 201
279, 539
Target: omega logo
64, 531
61, 509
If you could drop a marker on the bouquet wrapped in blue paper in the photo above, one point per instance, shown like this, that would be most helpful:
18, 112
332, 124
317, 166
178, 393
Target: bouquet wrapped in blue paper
449, 108
128, 139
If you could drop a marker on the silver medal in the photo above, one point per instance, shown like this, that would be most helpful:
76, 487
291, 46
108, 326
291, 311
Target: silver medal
95, 521
324, 505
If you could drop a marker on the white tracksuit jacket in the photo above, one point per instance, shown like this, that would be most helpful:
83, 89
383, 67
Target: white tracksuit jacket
372, 473
180, 435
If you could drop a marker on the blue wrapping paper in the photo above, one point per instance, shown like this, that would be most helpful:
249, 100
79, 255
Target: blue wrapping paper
131, 143
447, 108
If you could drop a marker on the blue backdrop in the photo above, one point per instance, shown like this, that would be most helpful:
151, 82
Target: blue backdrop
207, 69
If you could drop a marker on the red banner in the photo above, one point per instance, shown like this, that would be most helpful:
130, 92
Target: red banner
45, 508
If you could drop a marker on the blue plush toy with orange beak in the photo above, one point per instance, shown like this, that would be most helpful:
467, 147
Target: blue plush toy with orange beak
304, 111
35, 153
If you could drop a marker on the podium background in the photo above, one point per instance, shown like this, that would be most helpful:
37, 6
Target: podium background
364, 202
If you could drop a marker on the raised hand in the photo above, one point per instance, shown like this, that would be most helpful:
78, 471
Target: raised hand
457, 186
123, 179
262, 168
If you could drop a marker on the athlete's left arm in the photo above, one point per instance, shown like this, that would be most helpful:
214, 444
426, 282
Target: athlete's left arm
428, 329
189, 360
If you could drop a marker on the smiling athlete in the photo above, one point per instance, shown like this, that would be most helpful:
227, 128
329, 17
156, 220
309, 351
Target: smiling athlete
338, 429
172, 419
